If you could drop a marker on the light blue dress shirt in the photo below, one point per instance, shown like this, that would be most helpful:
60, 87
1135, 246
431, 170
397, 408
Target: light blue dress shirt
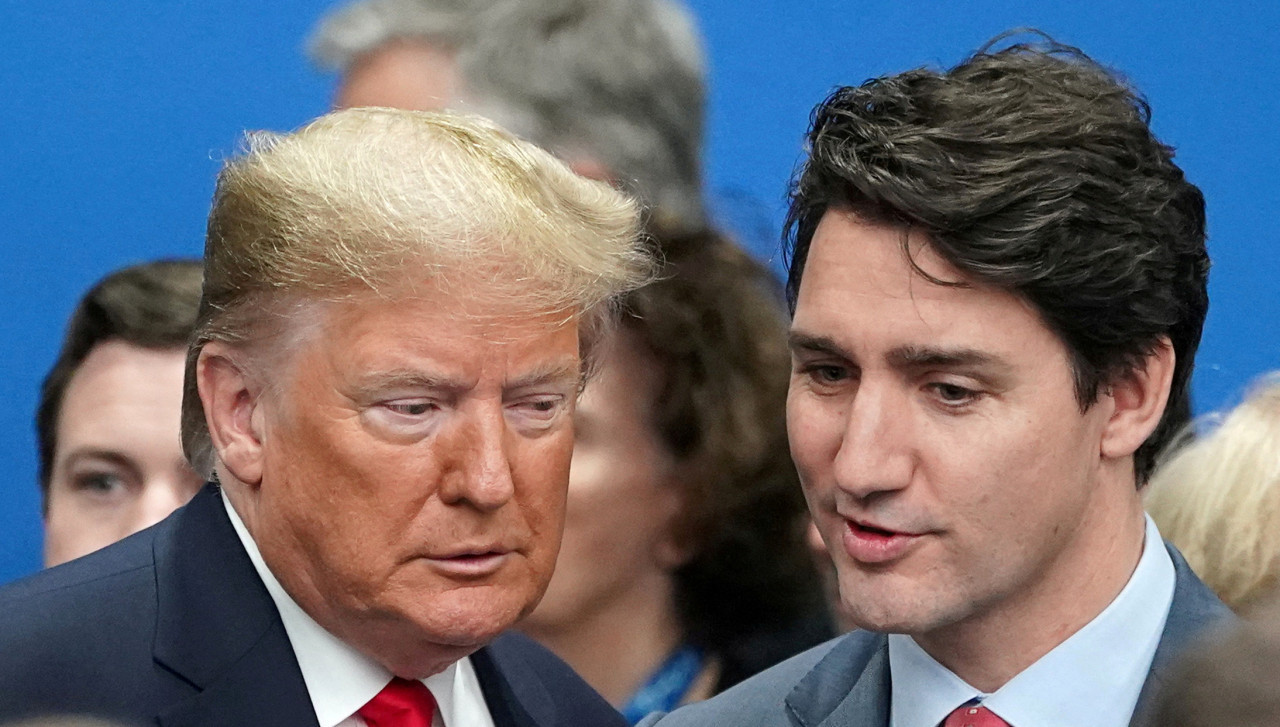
1093, 678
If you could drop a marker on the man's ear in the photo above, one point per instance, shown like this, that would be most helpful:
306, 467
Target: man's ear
1139, 397
232, 411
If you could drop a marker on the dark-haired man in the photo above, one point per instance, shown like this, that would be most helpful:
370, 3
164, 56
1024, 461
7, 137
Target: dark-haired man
998, 285
110, 459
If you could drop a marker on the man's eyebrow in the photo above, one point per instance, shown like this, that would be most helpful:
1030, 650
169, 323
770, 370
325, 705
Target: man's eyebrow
800, 341
905, 357
568, 370
112, 456
405, 379
929, 356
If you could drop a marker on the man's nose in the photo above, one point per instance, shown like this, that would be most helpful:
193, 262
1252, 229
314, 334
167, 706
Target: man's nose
480, 471
877, 452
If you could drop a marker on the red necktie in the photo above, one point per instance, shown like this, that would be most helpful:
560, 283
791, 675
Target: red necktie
401, 703
971, 715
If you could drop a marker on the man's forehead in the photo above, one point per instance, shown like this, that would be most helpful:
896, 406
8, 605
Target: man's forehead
873, 284
416, 348
898, 259
486, 305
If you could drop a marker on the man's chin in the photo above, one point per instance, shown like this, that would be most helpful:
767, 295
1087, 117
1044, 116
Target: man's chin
423, 637
419, 651
470, 620
894, 613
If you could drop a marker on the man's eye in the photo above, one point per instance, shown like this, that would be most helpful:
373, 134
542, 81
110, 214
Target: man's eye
825, 374
409, 408
954, 394
543, 407
99, 483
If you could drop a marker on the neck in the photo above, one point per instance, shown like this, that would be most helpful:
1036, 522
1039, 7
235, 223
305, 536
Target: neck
617, 646
991, 647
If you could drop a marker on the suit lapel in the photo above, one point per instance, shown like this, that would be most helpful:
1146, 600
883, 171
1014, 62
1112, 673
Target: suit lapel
218, 629
1194, 610
849, 687
514, 692
256, 691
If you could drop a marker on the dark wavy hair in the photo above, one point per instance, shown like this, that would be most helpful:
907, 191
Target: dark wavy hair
1033, 169
716, 323
152, 305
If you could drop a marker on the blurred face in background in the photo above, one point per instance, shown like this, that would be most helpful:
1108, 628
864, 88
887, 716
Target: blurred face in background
423, 76
412, 75
618, 545
118, 465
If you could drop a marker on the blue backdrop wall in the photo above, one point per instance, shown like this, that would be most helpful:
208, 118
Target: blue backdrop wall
114, 116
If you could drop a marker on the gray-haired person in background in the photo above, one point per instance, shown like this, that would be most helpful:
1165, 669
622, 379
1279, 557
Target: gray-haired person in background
107, 423
615, 87
396, 53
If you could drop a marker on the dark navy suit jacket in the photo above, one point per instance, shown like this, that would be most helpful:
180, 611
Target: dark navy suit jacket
173, 626
845, 682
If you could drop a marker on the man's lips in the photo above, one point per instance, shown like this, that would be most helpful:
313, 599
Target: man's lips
470, 562
870, 543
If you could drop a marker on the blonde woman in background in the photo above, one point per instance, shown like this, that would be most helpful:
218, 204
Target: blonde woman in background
1218, 498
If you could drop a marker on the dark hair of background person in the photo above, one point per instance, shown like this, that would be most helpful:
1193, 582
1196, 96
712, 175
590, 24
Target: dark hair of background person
152, 305
715, 322
1231, 679
1032, 169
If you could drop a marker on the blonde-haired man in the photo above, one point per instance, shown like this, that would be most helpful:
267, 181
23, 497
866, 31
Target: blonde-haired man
397, 312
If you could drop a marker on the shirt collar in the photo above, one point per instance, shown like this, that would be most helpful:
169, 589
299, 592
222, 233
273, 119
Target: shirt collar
340, 679
1103, 665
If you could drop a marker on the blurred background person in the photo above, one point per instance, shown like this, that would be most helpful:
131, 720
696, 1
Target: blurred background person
615, 87
1231, 679
397, 53
111, 460
1217, 498
683, 569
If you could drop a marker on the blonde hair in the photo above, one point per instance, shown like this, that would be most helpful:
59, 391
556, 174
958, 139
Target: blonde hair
383, 200
1218, 498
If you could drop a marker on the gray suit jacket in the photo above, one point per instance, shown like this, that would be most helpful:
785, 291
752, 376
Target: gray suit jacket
845, 682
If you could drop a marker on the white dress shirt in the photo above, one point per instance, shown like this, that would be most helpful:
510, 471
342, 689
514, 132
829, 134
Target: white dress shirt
341, 680
1094, 677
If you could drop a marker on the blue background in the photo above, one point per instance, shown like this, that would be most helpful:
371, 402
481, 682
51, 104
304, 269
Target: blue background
114, 116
